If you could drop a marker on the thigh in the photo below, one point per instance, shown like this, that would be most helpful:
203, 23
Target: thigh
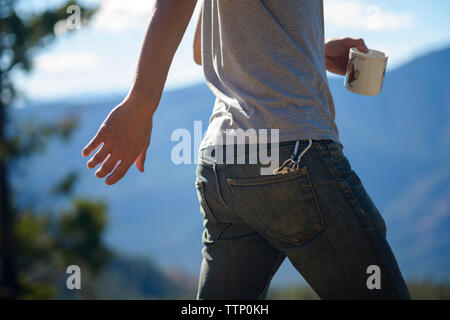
352, 254
355, 265
237, 263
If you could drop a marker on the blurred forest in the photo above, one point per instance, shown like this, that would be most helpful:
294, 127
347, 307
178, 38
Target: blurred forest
37, 245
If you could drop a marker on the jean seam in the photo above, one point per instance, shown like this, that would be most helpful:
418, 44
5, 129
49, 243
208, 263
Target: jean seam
220, 231
264, 229
204, 203
263, 180
214, 237
218, 189
345, 187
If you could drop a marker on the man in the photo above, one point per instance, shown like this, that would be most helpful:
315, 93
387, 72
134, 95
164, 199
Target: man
265, 61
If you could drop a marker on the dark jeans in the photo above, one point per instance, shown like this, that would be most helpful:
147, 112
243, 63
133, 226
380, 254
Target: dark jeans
320, 217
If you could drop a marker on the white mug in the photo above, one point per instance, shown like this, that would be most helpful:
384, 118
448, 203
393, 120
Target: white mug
366, 71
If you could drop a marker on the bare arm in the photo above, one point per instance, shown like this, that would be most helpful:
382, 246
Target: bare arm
124, 136
198, 41
168, 23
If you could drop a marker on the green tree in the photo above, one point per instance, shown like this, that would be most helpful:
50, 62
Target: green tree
47, 243
79, 240
23, 32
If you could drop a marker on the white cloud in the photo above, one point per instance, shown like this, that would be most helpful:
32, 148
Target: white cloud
64, 62
117, 16
364, 15
107, 55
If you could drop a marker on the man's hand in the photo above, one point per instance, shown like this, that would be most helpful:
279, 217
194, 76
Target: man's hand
124, 136
337, 53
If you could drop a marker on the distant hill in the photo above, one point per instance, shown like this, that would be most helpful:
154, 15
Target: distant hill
398, 142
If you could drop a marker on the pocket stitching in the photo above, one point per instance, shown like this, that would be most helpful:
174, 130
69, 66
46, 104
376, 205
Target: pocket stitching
199, 184
298, 239
266, 180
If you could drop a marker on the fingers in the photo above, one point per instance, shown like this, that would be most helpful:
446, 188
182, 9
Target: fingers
98, 158
118, 173
92, 145
362, 46
359, 43
106, 167
140, 161
111, 163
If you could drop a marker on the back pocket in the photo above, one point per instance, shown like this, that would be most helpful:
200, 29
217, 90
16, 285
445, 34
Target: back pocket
283, 206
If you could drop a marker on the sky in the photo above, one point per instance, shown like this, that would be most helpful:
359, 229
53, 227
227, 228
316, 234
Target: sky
101, 58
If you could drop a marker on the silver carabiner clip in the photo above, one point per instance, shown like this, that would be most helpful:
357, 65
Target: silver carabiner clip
291, 165
297, 163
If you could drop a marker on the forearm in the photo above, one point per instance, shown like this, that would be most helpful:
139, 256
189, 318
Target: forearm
166, 28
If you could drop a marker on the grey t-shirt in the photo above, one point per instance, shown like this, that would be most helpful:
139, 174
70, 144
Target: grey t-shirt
264, 61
